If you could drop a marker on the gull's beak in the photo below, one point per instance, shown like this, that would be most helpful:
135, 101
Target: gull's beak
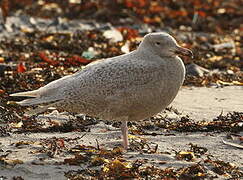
183, 51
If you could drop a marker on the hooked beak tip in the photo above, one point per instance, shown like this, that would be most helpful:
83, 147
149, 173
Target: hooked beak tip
184, 51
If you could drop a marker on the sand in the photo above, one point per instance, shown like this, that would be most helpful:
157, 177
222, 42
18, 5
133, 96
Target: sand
199, 103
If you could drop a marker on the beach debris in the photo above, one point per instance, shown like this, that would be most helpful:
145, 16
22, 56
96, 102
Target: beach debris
195, 70
185, 155
113, 35
5, 67
89, 54
234, 140
92, 155
232, 144
197, 150
194, 152
4, 131
120, 168
224, 45
10, 162
223, 168
125, 48
129, 33
21, 67
16, 125
231, 122
236, 83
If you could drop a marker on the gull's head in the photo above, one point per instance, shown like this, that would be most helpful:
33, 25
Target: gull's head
163, 45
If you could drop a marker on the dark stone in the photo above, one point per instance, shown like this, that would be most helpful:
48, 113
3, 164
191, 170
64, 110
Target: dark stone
3, 68
195, 70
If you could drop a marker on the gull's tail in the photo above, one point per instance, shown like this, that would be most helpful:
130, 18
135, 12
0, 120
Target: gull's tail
37, 97
50, 95
34, 93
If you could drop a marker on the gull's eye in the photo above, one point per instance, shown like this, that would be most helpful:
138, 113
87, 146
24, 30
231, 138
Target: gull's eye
158, 43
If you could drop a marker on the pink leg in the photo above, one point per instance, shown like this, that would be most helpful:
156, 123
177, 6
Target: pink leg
125, 134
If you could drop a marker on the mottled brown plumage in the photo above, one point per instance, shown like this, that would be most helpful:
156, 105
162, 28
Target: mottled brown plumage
129, 87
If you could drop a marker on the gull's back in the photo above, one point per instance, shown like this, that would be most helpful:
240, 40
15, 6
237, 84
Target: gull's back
124, 86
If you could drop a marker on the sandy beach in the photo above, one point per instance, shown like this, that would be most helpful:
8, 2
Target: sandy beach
28, 161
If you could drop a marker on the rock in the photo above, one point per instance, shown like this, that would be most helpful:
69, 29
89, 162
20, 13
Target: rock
3, 68
195, 70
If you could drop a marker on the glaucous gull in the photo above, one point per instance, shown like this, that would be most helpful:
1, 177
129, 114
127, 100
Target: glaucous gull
129, 87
